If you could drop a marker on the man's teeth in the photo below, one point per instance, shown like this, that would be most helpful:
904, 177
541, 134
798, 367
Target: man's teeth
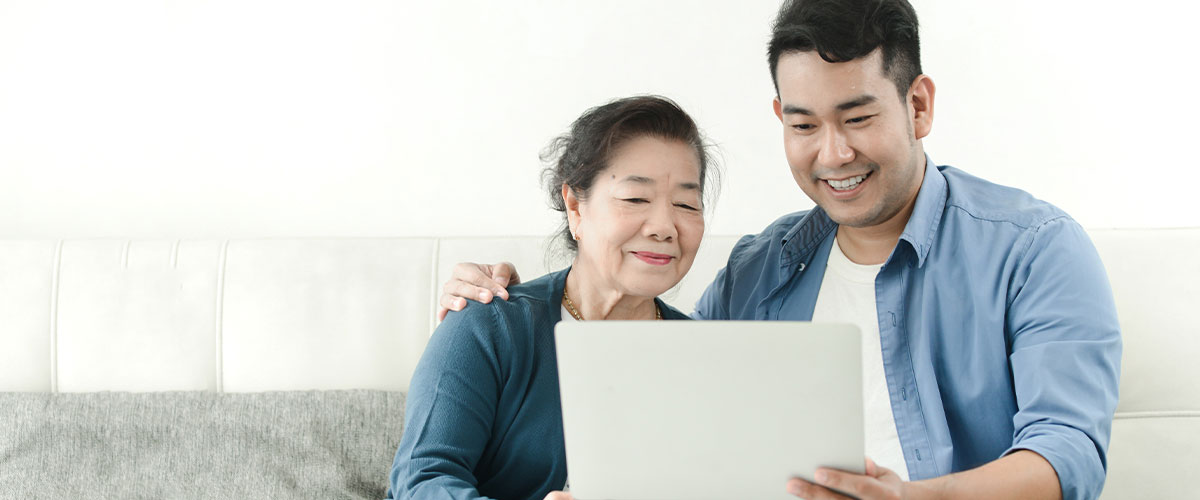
847, 184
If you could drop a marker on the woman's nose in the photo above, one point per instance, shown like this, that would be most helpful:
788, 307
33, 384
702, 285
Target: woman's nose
660, 224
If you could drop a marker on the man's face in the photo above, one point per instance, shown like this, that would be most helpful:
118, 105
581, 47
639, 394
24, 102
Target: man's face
849, 138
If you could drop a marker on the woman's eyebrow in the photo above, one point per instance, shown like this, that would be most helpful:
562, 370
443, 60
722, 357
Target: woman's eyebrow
646, 180
638, 179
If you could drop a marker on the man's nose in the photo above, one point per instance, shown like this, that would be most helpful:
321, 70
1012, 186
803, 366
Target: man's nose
834, 151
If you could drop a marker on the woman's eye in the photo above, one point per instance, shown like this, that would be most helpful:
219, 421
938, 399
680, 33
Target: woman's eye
686, 206
636, 200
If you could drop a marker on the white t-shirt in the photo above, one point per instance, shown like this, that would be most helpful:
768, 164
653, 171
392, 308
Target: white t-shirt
848, 295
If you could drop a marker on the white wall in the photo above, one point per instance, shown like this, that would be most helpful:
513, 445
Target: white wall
224, 118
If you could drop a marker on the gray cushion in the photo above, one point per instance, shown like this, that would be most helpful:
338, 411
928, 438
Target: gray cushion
303, 444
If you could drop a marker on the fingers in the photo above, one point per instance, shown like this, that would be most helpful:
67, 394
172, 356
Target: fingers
877, 471
454, 291
559, 495
811, 491
452, 297
858, 485
479, 282
503, 274
468, 282
479, 277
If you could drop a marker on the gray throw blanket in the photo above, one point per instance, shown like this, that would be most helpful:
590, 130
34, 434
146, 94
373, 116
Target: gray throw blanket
303, 444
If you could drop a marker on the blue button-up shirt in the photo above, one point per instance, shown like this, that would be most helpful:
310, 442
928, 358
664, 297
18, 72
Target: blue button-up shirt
996, 320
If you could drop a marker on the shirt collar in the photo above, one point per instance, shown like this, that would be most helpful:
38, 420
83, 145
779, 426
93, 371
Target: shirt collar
927, 214
807, 235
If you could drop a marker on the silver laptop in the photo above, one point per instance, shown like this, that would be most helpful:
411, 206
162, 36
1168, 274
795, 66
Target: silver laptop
656, 410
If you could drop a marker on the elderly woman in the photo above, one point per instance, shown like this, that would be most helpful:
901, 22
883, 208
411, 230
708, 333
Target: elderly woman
483, 417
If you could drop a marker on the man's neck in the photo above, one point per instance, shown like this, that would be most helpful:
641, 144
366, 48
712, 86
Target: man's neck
867, 246
874, 244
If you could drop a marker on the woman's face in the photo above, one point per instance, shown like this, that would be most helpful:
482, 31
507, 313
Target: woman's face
641, 224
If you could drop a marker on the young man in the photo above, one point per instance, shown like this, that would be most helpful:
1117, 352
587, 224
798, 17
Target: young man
991, 343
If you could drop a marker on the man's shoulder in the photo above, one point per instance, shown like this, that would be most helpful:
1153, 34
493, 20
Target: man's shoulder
981, 200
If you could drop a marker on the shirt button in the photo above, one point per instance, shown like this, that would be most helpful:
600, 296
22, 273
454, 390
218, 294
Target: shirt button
918, 450
904, 393
893, 315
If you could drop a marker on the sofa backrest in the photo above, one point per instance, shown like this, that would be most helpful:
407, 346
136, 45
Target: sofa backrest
241, 315
303, 314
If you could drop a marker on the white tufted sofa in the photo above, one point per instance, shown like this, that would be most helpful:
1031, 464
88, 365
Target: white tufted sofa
303, 314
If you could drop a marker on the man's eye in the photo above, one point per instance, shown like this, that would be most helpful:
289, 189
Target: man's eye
686, 206
636, 200
859, 119
803, 126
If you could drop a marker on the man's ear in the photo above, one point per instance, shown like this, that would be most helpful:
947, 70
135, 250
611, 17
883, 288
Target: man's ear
778, 109
572, 204
920, 100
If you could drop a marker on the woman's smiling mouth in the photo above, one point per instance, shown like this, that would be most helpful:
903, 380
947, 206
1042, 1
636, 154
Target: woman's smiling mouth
655, 259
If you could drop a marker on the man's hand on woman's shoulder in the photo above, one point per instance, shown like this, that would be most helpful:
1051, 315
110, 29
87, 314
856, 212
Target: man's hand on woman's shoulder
479, 282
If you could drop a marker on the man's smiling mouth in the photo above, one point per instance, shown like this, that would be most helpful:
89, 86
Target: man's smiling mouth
847, 184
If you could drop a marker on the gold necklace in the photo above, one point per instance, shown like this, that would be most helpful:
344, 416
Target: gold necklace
575, 313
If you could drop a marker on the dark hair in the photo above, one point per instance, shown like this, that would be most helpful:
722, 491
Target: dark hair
844, 30
578, 157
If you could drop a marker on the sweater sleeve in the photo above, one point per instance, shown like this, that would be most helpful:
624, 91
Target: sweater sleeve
450, 409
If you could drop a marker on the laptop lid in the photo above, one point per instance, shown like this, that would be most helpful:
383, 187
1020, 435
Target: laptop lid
707, 409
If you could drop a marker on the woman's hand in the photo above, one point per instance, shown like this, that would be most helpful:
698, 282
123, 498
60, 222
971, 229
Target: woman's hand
559, 495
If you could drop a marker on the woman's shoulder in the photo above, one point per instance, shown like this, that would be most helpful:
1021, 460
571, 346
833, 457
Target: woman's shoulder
669, 312
528, 304
544, 290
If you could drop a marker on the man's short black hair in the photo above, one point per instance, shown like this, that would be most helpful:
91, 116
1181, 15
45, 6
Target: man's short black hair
844, 30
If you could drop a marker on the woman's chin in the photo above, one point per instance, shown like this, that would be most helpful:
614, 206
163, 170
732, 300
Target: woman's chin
650, 290
652, 284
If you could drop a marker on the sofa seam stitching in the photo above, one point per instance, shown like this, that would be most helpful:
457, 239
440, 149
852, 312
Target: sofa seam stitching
54, 290
433, 286
219, 355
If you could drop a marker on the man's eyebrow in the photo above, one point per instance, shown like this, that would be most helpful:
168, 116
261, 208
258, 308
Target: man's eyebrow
862, 100
789, 109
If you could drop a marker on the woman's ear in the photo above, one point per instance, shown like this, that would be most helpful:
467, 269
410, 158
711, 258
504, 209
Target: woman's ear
571, 202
